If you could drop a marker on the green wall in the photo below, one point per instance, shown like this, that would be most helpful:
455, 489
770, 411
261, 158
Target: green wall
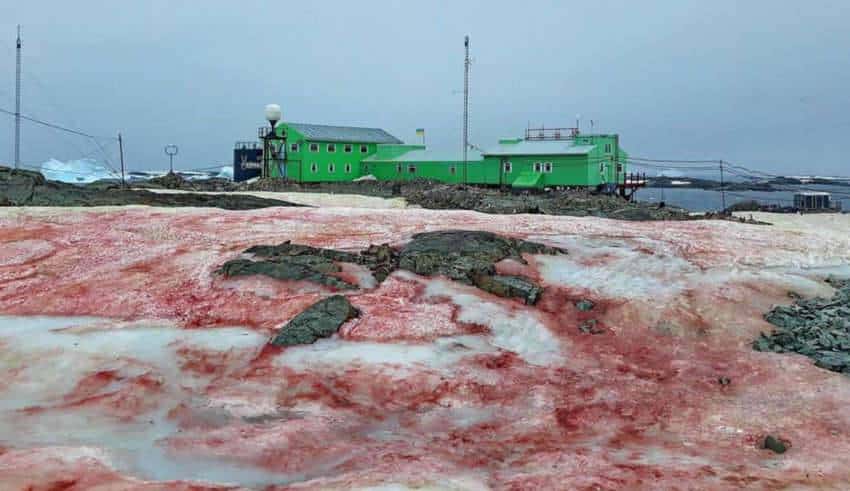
322, 165
599, 166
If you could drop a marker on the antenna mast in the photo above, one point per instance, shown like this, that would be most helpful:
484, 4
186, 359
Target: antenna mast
18, 102
465, 106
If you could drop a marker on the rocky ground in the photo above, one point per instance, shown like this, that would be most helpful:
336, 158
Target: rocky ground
132, 360
436, 195
28, 188
815, 327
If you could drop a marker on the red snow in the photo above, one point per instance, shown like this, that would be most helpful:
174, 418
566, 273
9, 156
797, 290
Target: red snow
407, 393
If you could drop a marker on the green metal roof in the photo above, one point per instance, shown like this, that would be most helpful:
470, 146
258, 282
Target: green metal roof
325, 133
421, 154
542, 147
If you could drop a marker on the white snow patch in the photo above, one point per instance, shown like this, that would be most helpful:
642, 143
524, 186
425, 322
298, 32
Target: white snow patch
521, 332
45, 357
615, 269
334, 352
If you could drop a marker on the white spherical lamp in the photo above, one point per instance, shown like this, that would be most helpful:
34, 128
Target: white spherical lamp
273, 114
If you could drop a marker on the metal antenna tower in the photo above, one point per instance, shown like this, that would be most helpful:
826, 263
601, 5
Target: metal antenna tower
466, 64
18, 102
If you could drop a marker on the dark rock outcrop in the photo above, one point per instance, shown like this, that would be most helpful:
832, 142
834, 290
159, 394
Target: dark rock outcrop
470, 257
288, 249
509, 286
818, 328
27, 188
774, 444
307, 268
382, 260
320, 320
466, 256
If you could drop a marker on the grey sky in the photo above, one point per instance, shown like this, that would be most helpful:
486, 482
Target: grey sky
760, 83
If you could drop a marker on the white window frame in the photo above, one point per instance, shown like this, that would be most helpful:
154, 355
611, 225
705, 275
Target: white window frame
314, 147
364, 148
348, 168
538, 167
331, 147
331, 168
509, 167
547, 167
607, 148
347, 148
293, 147
314, 167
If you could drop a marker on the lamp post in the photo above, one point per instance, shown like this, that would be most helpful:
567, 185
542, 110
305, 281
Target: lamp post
273, 115
171, 150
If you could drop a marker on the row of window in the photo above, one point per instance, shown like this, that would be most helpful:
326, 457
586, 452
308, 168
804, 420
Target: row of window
331, 148
545, 167
538, 167
314, 168
411, 169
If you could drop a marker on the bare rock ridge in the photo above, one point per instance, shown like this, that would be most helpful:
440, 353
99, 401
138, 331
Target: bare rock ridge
441, 196
27, 188
468, 257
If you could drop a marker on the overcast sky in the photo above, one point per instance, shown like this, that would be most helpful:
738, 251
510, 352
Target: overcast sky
759, 83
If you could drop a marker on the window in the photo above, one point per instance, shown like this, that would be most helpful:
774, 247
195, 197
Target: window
619, 167
601, 167
331, 148
398, 168
347, 148
411, 169
508, 167
365, 167
364, 149
547, 167
607, 148
348, 168
314, 147
331, 168
452, 170
537, 167
314, 168
293, 147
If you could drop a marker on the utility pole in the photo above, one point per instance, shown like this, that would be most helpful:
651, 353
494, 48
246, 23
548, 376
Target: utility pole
18, 101
465, 106
121, 152
722, 187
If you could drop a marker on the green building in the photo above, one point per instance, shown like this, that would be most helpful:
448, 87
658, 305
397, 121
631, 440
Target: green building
319, 153
543, 158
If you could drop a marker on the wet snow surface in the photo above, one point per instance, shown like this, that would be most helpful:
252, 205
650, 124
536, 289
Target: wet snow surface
128, 364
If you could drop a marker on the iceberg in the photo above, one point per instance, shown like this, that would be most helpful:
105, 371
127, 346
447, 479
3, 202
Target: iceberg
82, 171
226, 172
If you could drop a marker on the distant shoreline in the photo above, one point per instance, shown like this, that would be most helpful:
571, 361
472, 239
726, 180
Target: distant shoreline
771, 185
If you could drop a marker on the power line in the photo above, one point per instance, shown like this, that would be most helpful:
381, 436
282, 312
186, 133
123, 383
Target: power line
675, 161
57, 127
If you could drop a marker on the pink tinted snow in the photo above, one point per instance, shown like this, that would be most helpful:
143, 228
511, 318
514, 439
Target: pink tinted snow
436, 384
